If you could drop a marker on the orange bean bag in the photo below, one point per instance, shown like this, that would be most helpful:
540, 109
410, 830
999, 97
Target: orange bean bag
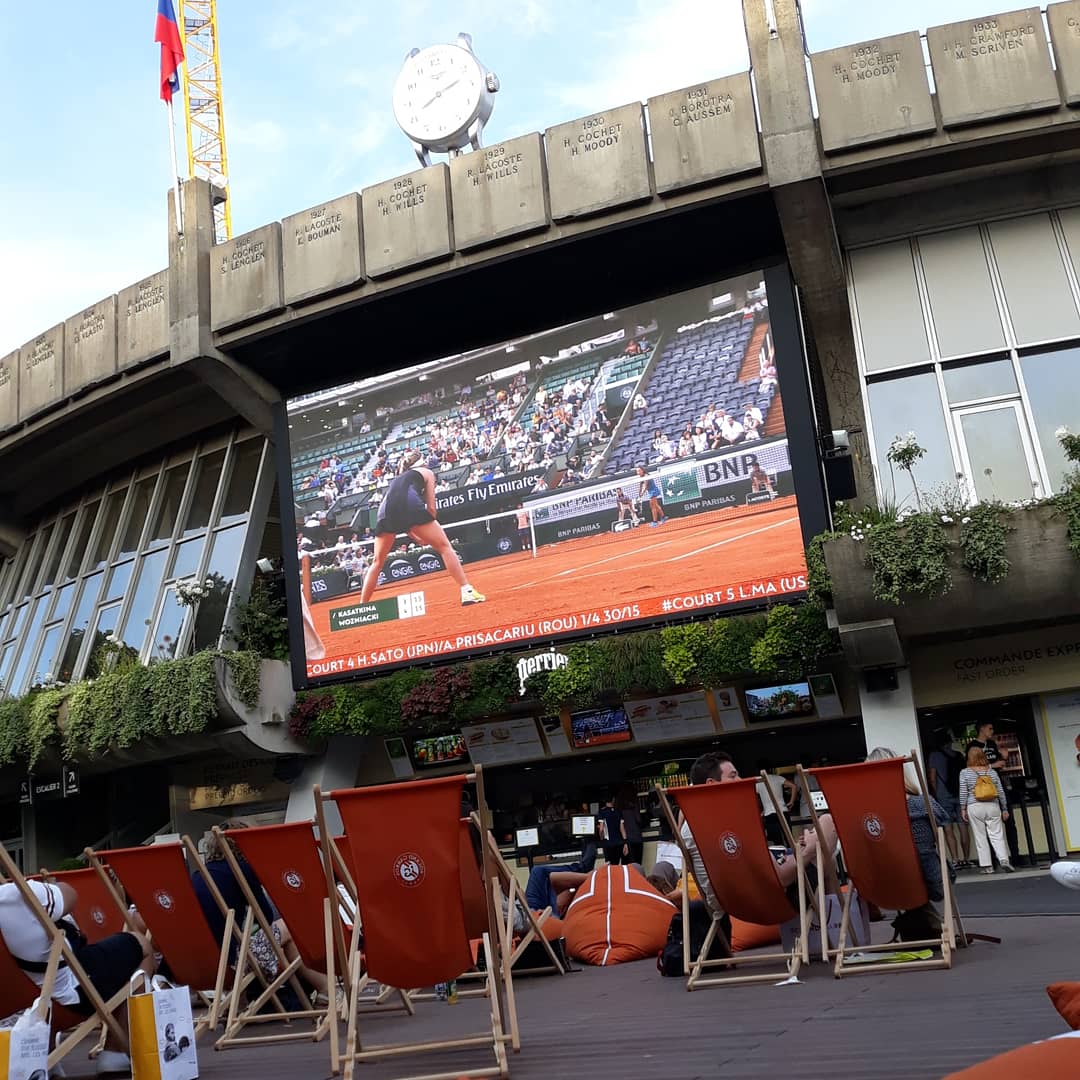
1055, 1059
615, 917
746, 935
1066, 999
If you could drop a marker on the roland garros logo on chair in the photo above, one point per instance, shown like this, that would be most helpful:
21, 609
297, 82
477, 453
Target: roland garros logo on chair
164, 901
872, 826
293, 879
97, 915
409, 869
730, 845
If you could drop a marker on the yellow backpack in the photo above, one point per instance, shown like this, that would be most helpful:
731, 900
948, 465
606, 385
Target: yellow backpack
984, 789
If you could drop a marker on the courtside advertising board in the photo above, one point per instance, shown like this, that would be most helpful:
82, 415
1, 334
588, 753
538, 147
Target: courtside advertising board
638, 467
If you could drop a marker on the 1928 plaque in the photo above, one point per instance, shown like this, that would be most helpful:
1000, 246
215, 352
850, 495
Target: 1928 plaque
407, 221
598, 162
704, 132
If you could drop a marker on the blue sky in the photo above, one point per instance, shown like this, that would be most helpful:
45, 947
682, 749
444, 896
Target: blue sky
84, 164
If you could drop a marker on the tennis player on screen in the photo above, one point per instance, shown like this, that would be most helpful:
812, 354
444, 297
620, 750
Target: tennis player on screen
408, 508
650, 489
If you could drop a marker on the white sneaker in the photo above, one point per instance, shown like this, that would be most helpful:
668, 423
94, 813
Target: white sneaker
1066, 873
112, 1061
470, 596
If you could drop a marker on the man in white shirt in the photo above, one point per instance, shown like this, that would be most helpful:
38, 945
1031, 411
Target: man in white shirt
730, 430
108, 963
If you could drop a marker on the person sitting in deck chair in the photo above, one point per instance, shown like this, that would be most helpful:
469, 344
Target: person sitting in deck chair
554, 886
716, 767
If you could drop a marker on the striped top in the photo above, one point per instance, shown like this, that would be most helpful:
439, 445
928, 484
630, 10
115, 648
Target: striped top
967, 787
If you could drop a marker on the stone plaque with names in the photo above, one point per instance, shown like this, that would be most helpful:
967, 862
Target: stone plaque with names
407, 221
598, 162
992, 67
1064, 20
872, 92
321, 249
41, 371
9, 390
245, 277
90, 345
499, 191
142, 320
704, 132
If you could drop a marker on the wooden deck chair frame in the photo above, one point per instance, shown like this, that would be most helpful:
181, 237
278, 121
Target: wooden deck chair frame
215, 1000
695, 968
498, 990
60, 951
950, 922
324, 1020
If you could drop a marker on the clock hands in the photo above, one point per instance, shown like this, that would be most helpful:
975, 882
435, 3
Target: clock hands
439, 93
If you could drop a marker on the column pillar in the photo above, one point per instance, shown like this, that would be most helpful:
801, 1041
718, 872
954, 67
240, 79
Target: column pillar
889, 717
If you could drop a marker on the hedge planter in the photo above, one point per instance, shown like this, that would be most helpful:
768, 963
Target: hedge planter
1043, 583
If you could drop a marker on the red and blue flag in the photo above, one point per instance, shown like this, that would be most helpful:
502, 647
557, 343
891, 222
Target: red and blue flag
167, 33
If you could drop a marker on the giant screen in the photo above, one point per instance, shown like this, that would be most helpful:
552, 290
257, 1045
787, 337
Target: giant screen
629, 468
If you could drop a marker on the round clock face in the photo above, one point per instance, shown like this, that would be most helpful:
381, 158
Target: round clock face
438, 93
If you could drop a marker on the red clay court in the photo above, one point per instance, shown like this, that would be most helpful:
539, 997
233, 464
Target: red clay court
590, 582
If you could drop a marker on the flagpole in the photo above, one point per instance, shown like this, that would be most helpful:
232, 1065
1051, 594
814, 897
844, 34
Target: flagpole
175, 169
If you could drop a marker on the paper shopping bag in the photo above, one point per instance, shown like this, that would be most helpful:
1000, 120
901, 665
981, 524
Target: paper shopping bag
24, 1048
162, 1034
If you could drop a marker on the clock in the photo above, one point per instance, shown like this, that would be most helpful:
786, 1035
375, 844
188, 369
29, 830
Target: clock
443, 97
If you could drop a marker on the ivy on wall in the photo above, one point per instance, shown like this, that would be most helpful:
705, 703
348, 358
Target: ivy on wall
123, 706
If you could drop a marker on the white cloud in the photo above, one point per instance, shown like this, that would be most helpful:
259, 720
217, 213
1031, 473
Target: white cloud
655, 48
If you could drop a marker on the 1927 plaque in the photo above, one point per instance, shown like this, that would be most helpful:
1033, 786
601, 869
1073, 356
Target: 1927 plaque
90, 345
499, 191
704, 132
321, 249
992, 67
245, 277
598, 162
872, 92
407, 221
41, 371
142, 320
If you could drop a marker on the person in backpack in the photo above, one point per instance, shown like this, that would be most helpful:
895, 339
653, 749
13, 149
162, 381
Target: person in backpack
945, 764
983, 806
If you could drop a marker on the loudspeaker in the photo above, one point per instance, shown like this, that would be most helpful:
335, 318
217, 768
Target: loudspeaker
880, 680
839, 477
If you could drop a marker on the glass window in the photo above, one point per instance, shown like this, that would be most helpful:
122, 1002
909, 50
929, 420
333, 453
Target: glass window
18, 617
245, 468
981, 379
64, 596
890, 314
207, 474
5, 663
33, 565
144, 600
110, 518
170, 623
913, 404
82, 539
171, 495
105, 625
79, 624
52, 566
996, 454
119, 579
138, 512
48, 657
221, 570
1052, 381
186, 558
17, 684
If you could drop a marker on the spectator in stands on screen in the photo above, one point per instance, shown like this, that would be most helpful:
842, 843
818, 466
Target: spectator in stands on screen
759, 478
768, 376
640, 404
731, 431
700, 439
541, 485
633, 349
686, 444
751, 433
752, 413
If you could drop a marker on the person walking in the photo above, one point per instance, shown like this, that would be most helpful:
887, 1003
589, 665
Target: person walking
945, 764
984, 739
611, 837
630, 824
983, 807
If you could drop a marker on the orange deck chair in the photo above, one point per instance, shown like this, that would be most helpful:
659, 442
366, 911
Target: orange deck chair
157, 879
95, 912
868, 804
406, 843
725, 820
18, 991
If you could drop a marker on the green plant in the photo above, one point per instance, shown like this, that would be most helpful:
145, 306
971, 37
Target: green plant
795, 639
245, 672
42, 731
818, 580
983, 536
903, 452
260, 624
909, 558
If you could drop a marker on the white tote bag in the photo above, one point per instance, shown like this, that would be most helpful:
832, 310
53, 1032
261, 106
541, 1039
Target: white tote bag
162, 1033
24, 1048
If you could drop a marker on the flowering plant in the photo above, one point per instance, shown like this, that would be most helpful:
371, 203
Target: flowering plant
1070, 443
903, 452
189, 593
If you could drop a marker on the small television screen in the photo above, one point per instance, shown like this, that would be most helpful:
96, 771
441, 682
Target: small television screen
780, 702
527, 838
596, 727
583, 825
441, 750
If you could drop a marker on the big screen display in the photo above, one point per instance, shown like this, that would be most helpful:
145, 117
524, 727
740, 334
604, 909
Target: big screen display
629, 468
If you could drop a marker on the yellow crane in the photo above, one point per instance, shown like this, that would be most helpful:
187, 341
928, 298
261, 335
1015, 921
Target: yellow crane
204, 109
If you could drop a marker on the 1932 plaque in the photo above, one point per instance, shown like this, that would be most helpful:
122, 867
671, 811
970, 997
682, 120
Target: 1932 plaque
872, 92
321, 249
992, 67
499, 191
704, 132
598, 162
407, 221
